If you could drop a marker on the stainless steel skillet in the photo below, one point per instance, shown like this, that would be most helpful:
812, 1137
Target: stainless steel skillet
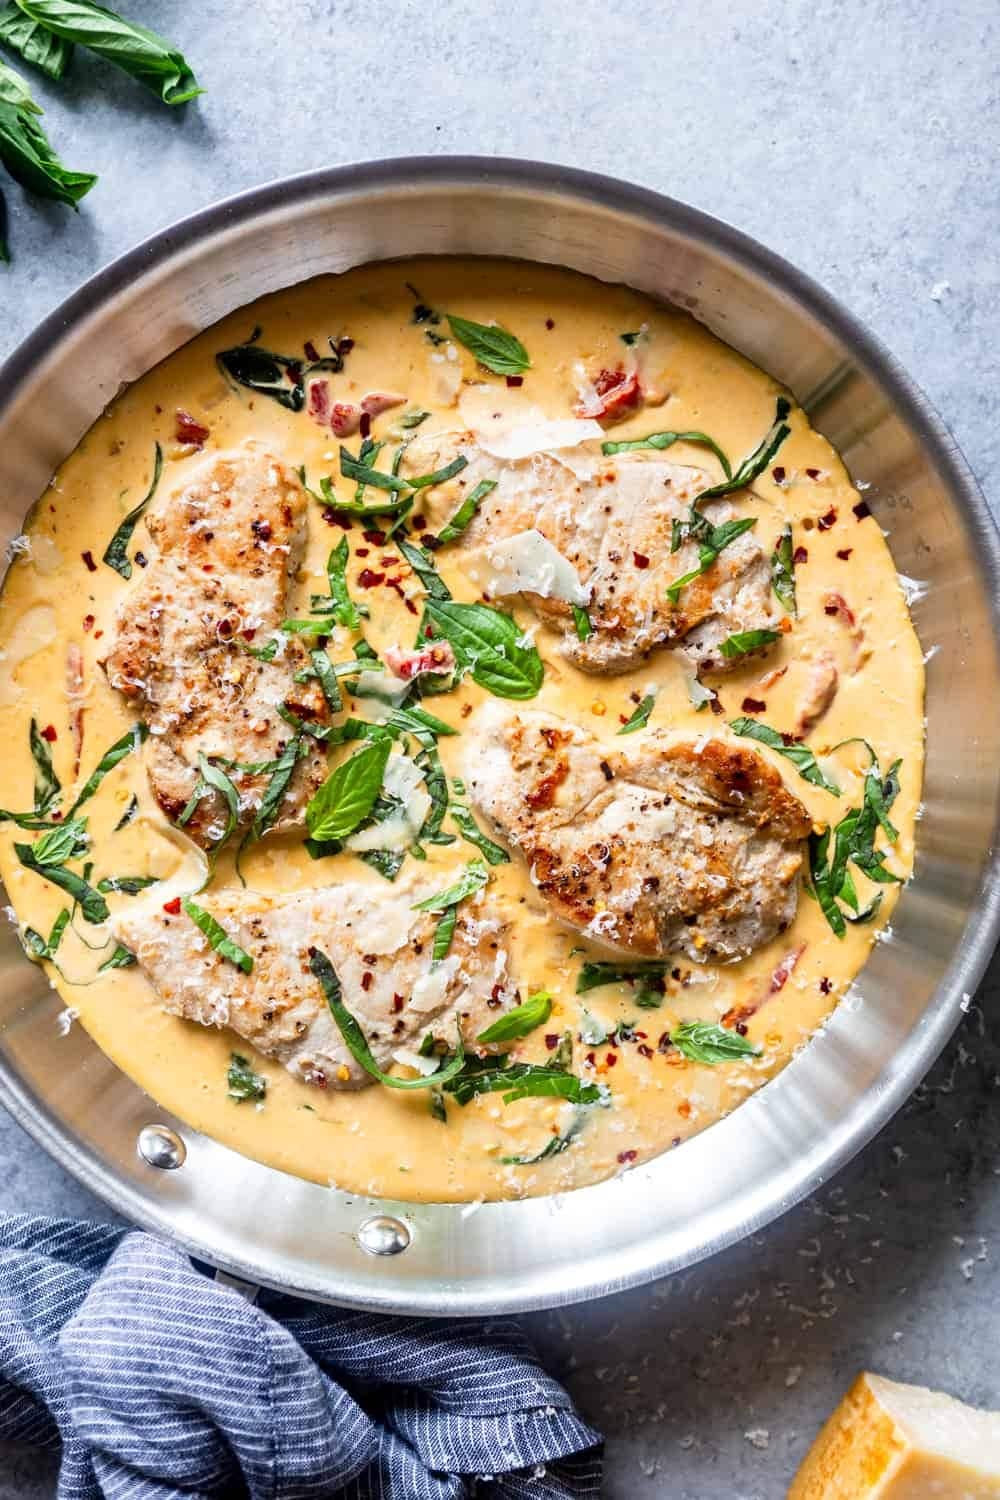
266, 1227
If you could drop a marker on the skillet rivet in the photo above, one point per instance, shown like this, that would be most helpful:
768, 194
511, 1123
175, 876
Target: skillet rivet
159, 1146
383, 1235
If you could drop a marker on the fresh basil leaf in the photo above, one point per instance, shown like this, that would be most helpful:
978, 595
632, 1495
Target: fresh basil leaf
348, 794
140, 53
801, 756
26, 152
35, 43
640, 717
47, 783
355, 1038
705, 1042
121, 958
342, 606
488, 644
443, 934
582, 623
243, 1082
413, 418
276, 788
130, 740
323, 667
473, 834
756, 462
520, 1021
266, 373
593, 976
441, 476
92, 904
493, 347
116, 553
217, 935
661, 440
468, 508
475, 877
65, 840
746, 641
14, 90
783, 570
127, 885
422, 564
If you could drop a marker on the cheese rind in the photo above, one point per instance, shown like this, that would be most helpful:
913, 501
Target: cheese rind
887, 1441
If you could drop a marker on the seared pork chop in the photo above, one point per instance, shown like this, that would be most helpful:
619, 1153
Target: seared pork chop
657, 847
379, 947
215, 591
612, 520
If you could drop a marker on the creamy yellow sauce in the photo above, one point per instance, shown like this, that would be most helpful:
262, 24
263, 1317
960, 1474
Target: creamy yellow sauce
380, 1141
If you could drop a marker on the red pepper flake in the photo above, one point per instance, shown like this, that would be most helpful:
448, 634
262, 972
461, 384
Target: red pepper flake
611, 1059
813, 473
338, 518
831, 609
825, 985
142, 559
549, 324
261, 530
800, 555
311, 352
49, 733
88, 622
778, 474
664, 1044
419, 523
365, 425
741, 1028
643, 1050
362, 552
366, 979
626, 1156
173, 907
344, 346
825, 522
845, 553
753, 705
552, 1040
715, 704
188, 431
377, 538
590, 1059
515, 380
397, 1004
640, 559
369, 580
861, 510
88, 558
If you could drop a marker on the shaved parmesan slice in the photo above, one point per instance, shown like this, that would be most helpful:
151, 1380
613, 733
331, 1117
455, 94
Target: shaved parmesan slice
425, 1066
430, 989
403, 780
539, 437
383, 691
527, 562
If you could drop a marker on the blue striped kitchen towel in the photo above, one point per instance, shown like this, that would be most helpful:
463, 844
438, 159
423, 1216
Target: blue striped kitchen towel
163, 1384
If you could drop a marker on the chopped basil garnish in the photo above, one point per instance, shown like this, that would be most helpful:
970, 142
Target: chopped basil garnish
473, 834
555, 1147
468, 508
746, 641
276, 787
279, 376
783, 570
801, 756
353, 468
711, 541
582, 623
640, 717
47, 783
355, 1039
493, 347
217, 779
475, 877
243, 1082
413, 418
704, 1042
348, 794
130, 811
38, 947
423, 565
127, 885
129, 741
661, 440
327, 676
436, 783
647, 978
489, 645
522, 1081
756, 462
142, 54
121, 958
116, 553
217, 935
47, 856
520, 1021
853, 841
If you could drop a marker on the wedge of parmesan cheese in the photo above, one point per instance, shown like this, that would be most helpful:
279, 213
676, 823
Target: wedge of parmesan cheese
902, 1442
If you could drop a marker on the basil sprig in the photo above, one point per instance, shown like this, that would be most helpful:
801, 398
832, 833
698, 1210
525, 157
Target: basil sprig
746, 641
466, 511
488, 644
801, 757
140, 53
663, 440
116, 553
243, 1082
34, 42
520, 1021
640, 718
783, 570
356, 1041
853, 842
348, 794
217, 935
705, 1042
493, 347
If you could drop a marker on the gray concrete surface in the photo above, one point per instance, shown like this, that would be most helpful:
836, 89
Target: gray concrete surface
861, 142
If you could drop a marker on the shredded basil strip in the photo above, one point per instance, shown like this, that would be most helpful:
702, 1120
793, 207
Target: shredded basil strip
355, 1039
466, 511
243, 1082
422, 564
323, 667
340, 604
582, 623
662, 440
116, 553
47, 783
38, 947
640, 718
129, 741
121, 958
348, 794
353, 468
440, 476
705, 1042
593, 975
276, 787
413, 418
493, 347
443, 934
783, 570
92, 903
473, 834
801, 756
745, 641
488, 644
853, 842
146, 57
130, 811
217, 779
475, 877
127, 885
520, 1021
711, 541
555, 1147
523, 1081
756, 462
217, 935
34, 42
